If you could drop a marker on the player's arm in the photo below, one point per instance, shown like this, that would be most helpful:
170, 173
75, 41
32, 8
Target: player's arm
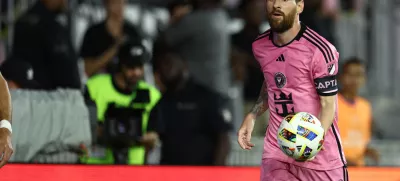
5, 100
244, 133
6, 149
261, 104
325, 68
328, 109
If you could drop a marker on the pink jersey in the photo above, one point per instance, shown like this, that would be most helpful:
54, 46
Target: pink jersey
296, 75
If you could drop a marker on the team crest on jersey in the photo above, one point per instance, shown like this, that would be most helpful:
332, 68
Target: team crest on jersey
280, 79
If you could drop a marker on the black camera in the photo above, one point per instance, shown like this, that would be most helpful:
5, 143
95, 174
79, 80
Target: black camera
123, 126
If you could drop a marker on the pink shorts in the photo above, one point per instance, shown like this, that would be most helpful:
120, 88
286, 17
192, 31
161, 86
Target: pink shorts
274, 170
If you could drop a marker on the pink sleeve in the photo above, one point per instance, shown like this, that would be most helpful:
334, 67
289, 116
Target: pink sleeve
324, 72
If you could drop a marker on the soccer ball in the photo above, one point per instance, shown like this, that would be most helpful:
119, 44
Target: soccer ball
300, 136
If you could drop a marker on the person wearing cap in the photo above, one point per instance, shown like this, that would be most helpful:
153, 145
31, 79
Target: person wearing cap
18, 74
124, 88
44, 42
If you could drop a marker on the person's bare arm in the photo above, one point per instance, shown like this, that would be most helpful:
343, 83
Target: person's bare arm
261, 104
5, 100
328, 108
93, 65
6, 149
244, 133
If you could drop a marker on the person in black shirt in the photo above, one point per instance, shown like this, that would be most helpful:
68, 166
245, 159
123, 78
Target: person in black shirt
102, 41
18, 74
252, 13
41, 40
193, 122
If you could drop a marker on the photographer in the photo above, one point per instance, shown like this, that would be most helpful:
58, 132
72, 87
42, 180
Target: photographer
123, 102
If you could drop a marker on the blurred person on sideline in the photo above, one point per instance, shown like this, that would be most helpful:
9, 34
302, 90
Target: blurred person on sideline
253, 14
19, 74
201, 38
355, 115
123, 102
193, 121
41, 39
103, 40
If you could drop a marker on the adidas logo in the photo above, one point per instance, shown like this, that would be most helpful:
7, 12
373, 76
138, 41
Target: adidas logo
281, 58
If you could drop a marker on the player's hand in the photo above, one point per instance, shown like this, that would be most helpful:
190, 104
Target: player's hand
309, 159
244, 133
6, 149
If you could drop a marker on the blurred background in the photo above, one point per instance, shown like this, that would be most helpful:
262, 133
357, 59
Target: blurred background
168, 81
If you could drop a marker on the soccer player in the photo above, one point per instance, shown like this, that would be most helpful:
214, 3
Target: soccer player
299, 68
6, 149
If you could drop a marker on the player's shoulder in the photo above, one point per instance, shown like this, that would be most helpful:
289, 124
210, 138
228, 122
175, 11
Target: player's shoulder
318, 44
261, 40
315, 40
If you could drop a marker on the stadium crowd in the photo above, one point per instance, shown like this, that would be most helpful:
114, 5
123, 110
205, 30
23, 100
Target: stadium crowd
174, 76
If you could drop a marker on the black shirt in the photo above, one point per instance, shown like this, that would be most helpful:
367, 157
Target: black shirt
189, 122
254, 78
42, 41
97, 40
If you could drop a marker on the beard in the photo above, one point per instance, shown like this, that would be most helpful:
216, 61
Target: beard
283, 24
131, 82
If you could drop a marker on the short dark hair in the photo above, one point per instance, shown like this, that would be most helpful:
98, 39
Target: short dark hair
351, 61
165, 57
